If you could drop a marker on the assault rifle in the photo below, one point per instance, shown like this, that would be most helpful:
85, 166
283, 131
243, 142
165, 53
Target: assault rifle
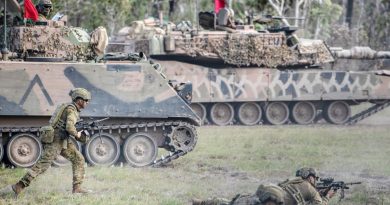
326, 184
84, 126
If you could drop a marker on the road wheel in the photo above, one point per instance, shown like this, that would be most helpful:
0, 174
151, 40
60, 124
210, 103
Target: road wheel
102, 150
222, 114
249, 113
303, 113
337, 112
199, 110
24, 150
62, 161
277, 113
140, 150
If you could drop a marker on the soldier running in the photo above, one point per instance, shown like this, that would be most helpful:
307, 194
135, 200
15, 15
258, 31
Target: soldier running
63, 121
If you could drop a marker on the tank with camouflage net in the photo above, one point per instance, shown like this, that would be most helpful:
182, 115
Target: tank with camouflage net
245, 76
146, 111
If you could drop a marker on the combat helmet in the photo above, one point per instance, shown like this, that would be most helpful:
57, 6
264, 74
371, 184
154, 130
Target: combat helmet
44, 7
80, 93
270, 193
305, 172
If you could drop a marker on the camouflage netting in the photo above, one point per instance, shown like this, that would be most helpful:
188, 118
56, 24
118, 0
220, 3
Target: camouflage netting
240, 48
243, 50
65, 42
315, 50
268, 50
142, 45
258, 50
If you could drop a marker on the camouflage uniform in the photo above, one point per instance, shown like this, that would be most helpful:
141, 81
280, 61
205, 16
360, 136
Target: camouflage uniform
213, 201
240, 199
265, 194
62, 124
245, 199
300, 191
44, 7
61, 145
41, 17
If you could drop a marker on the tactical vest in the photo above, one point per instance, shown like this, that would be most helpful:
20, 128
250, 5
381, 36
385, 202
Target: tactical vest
58, 119
289, 187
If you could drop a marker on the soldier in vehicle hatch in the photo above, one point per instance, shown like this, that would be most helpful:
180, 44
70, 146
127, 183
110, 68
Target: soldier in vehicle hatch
265, 195
44, 7
226, 15
55, 139
302, 189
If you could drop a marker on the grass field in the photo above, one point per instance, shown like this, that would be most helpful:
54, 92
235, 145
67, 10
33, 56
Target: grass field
231, 160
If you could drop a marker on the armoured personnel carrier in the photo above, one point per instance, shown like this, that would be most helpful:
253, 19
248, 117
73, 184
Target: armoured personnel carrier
146, 111
247, 76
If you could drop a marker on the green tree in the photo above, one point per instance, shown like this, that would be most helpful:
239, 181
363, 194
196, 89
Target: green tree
321, 18
112, 14
377, 24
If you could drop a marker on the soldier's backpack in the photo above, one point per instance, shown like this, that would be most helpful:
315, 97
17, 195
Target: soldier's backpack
55, 120
47, 134
270, 193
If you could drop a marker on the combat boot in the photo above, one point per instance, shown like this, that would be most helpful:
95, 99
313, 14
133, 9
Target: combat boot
18, 188
78, 190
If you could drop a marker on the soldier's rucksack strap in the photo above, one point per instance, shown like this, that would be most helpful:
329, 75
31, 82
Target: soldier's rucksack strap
295, 180
55, 120
295, 193
289, 187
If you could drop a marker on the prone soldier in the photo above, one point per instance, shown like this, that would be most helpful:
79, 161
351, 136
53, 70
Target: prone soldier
265, 195
302, 189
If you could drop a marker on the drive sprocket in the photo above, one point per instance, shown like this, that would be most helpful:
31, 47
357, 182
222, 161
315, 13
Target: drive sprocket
182, 137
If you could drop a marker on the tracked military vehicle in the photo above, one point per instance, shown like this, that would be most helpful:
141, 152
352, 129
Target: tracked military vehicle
146, 111
245, 76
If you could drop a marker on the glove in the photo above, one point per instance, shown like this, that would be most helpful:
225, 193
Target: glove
84, 136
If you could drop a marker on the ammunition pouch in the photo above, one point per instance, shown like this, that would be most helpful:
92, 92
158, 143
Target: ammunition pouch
47, 134
63, 134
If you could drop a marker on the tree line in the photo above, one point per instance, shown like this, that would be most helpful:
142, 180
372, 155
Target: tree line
344, 23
